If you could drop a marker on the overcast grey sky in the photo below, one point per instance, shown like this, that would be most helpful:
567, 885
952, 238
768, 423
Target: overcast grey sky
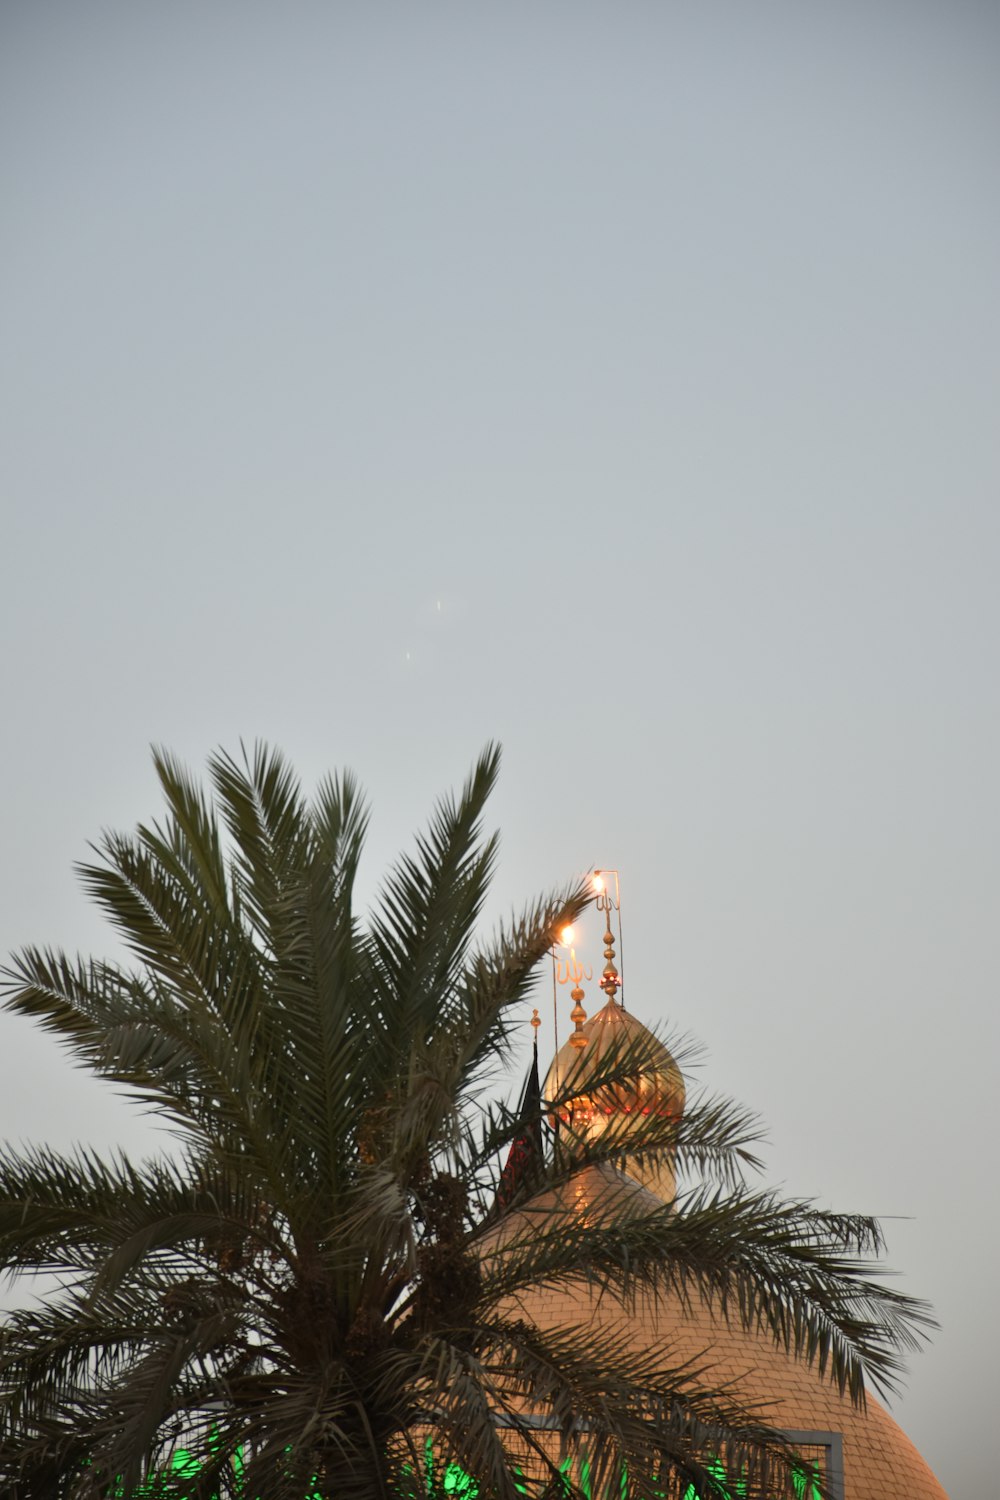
616, 380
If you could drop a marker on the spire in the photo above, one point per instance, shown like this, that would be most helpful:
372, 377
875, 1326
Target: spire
571, 971
610, 981
527, 1150
577, 1015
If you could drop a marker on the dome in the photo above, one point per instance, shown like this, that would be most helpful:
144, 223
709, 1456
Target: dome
860, 1452
615, 1040
614, 1037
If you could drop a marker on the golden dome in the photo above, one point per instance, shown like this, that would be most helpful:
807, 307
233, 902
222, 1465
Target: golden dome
649, 1082
615, 1039
861, 1452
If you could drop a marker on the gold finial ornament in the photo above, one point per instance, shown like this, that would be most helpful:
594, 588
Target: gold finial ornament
536, 1021
577, 1015
571, 971
610, 981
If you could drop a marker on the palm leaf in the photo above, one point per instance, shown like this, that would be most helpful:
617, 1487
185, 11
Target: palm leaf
318, 1282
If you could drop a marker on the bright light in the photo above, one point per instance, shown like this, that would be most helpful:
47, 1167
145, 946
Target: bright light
598, 881
566, 936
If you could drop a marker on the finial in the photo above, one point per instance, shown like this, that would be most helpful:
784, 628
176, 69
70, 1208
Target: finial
536, 1021
610, 981
571, 971
578, 1015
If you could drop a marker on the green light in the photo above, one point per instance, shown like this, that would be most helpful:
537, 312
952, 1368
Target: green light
457, 1482
452, 1482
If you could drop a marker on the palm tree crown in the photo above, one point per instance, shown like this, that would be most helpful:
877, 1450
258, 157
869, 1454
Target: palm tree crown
318, 1291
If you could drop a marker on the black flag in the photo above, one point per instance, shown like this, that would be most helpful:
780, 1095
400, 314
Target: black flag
527, 1151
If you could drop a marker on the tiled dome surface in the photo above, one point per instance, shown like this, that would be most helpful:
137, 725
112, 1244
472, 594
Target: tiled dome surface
880, 1462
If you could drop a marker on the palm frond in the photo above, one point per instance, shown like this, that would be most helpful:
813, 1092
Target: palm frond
319, 1288
798, 1274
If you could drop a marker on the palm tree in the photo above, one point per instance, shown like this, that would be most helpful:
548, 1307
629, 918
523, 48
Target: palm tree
317, 1290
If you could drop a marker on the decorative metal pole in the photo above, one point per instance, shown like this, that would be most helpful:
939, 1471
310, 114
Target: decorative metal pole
571, 971
611, 981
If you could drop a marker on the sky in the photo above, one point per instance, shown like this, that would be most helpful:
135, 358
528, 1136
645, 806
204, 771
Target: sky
616, 381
